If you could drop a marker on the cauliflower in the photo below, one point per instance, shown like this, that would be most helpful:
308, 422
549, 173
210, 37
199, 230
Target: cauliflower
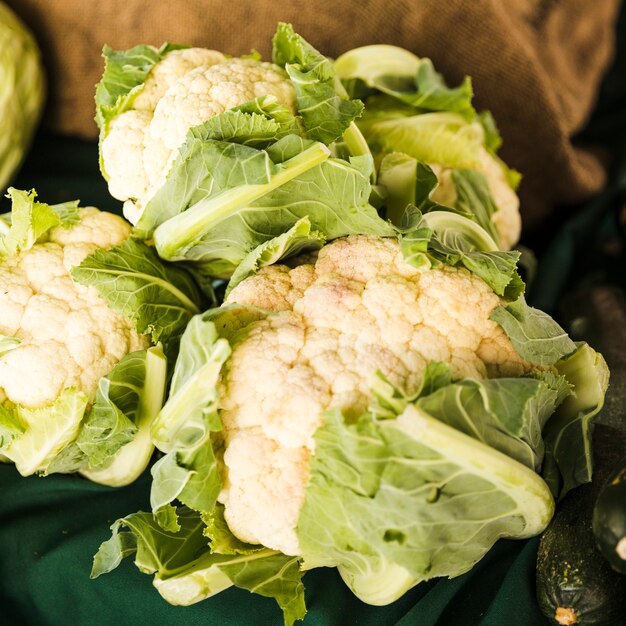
410, 109
75, 373
384, 405
184, 89
359, 309
363, 409
69, 336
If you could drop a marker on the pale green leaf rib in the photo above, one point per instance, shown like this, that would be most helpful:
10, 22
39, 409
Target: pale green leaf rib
173, 238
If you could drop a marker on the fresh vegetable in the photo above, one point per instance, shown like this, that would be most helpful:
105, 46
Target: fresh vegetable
609, 519
144, 118
239, 177
575, 584
597, 313
412, 116
334, 351
362, 431
22, 92
149, 99
99, 370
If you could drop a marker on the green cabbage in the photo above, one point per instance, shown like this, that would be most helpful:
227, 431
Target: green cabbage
22, 91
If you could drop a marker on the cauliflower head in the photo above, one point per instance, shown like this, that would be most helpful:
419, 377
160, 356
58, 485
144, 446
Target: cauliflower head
184, 89
69, 336
357, 309
410, 109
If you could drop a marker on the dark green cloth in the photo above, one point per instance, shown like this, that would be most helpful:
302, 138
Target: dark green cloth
51, 527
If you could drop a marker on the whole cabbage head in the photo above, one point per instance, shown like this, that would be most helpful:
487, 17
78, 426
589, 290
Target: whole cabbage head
22, 91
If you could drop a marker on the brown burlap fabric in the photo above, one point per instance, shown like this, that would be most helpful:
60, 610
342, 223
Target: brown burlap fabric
535, 63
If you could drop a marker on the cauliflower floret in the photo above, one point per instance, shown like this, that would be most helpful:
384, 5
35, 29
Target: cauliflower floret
122, 154
275, 287
174, 66
203, 93
358, 309
507, 218
69, 335
277, 472
96, 229
185, 89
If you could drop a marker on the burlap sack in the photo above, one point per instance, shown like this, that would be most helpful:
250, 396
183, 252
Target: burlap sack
535, 63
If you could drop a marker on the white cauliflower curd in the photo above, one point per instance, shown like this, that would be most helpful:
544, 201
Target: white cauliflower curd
359, 309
